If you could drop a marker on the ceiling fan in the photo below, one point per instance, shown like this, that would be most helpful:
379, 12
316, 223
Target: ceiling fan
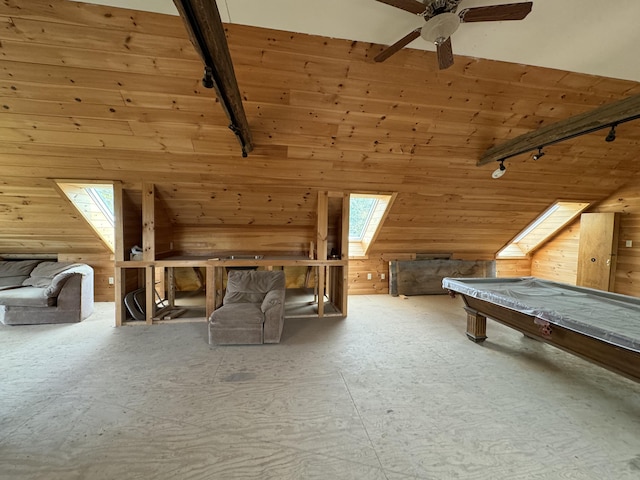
442, 21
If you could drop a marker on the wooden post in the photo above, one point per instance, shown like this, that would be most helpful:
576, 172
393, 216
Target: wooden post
119, 289
321, 276
344, 250
121, 313
148, 222
321, 245
171, 288
322, 225
149, 287
210, 291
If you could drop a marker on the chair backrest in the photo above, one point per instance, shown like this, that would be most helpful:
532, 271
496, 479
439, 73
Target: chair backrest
250, 286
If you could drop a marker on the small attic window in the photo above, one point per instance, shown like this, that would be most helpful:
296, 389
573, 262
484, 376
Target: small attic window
366, 215
94, 201
547, 225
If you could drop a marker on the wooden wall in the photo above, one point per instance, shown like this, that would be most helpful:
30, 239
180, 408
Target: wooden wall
132, 220
102, 264
558, 259
163, 234
225, 219
100, 93
359, 284
513, 268
34, 218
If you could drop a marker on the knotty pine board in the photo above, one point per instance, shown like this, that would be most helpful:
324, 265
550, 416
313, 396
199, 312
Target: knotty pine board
359, 284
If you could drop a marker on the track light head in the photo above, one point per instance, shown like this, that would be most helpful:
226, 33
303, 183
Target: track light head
539, 155
207, 78
500, 171
611, 136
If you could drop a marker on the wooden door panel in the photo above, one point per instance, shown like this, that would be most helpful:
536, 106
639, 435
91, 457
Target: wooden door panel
597, 250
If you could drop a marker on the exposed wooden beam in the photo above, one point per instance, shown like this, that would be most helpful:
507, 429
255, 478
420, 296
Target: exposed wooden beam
614, 113
204, 25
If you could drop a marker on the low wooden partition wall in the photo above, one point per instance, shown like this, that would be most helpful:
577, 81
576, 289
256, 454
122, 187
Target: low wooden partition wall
330, 287
331, 278
152, 230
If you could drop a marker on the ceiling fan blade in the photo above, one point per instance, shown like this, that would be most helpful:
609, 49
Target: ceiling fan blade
408, 5
509, 11
445, 54
404, 41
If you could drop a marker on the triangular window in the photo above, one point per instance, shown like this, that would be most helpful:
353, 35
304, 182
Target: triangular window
366, 215
542, 229
95, 202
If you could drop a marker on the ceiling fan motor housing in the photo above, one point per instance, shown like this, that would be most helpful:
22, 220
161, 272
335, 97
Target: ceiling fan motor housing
441, 22
436, 7
440, 27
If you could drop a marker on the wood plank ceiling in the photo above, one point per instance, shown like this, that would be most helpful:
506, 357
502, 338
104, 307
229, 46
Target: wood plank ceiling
93, 92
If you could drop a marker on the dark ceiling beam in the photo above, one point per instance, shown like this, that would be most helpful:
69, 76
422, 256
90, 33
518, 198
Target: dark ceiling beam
602, 117
204, 25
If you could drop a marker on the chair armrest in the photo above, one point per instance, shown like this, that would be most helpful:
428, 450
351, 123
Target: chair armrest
273, 309
272, 299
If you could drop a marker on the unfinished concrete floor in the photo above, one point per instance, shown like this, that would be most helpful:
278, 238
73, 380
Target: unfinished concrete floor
395, 391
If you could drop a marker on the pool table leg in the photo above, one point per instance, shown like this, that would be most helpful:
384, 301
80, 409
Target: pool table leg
476, 325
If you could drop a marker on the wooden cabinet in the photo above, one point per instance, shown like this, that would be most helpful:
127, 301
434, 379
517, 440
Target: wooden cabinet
597, 250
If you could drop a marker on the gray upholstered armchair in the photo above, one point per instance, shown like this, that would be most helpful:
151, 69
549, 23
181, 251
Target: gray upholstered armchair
252, 310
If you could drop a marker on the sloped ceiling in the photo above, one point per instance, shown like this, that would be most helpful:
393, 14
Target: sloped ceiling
585, 36
94, 92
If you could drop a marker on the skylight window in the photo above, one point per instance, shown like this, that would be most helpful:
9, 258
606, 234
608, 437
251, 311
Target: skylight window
550, 222
94, 202
102, 197
360, 210
366, 215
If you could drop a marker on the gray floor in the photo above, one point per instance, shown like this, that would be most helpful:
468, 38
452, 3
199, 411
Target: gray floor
395, 391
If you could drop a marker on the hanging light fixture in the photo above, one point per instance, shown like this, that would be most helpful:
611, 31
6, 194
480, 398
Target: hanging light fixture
540, 154
500, 171
611, 136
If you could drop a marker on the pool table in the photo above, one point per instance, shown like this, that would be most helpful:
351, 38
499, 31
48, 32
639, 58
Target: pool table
599, 326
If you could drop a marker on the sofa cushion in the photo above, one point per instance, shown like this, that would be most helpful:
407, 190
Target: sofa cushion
250, 286
15, 272
44, 272
25, 297
238, 314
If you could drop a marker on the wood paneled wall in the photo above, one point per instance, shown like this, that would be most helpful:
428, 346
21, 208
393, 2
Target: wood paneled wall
34, 219
101, 93
222, 240
513, 267
132, 220
103, 269
558, 259
358, 282
163, 229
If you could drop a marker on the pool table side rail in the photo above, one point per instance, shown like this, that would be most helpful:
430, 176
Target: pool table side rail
614, 329
617, 359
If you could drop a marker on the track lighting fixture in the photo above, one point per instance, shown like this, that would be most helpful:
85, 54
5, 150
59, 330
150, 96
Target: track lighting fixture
207, 78
611, 136
500, 171
539, 155
625, 111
